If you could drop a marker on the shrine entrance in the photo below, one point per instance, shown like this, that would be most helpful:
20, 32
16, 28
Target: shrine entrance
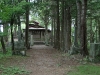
37, 34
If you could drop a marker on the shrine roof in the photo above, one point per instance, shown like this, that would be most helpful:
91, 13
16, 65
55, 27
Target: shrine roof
34, 26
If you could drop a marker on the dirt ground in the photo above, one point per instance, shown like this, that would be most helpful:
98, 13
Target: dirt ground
43, 60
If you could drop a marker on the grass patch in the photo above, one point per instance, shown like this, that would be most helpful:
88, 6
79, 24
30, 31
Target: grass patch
8, 58
86, 70
8, 54
12, 71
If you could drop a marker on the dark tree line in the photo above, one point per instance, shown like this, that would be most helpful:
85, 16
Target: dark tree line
74, 23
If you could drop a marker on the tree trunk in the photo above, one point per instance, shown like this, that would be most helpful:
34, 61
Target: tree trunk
74, 48
99, 29
75, 34
5, 31
2, 40
79, 8
19, 29
91, 32
55, 26
65, 30
58, 27
96, 30
12, 38
62, 25
55, 40
52, 32
3, 45
84, 28
46, 33
27, 28
68, 44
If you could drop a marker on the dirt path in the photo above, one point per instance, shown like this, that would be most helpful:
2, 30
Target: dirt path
43, 60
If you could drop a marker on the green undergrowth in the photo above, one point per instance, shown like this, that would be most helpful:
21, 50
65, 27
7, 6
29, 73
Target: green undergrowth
8, 54
86, 70
9, 59
6, 60
12, 71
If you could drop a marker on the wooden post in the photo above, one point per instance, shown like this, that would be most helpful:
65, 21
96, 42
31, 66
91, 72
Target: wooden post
41, 36
31, 40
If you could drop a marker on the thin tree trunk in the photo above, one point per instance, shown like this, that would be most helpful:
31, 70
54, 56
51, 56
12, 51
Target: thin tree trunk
3, 45
99, 29
55, 40
27, 28
5, 30
79, 8
74, 48
96, 31
58, 27
46, 33
75, 34
19, 29
91, 32
62, 26
15, 31
2, 41
12, 38
55, 27
68, 44
65, 30
52, 31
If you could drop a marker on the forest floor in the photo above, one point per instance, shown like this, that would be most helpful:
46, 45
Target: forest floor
43, 60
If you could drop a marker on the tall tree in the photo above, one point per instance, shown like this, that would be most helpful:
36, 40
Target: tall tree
83, 28
62, 24
27, 26
58, 26
68, 28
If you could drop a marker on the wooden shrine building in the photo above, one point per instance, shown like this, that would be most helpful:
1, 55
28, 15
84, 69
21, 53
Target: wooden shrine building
37, 33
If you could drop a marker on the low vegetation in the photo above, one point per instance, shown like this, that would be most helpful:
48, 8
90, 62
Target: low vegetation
86, 70
12, 71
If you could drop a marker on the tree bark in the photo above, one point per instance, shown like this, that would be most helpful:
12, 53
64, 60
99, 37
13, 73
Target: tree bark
12, 38
91, 32
46, 31
75, 34
5, 31
52, 32
55, 30
79, 8
27, 28
3, 45
99, 29
96, 30
68, 29
19, 29
84, 28
65, 30
58, 27
62, 25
